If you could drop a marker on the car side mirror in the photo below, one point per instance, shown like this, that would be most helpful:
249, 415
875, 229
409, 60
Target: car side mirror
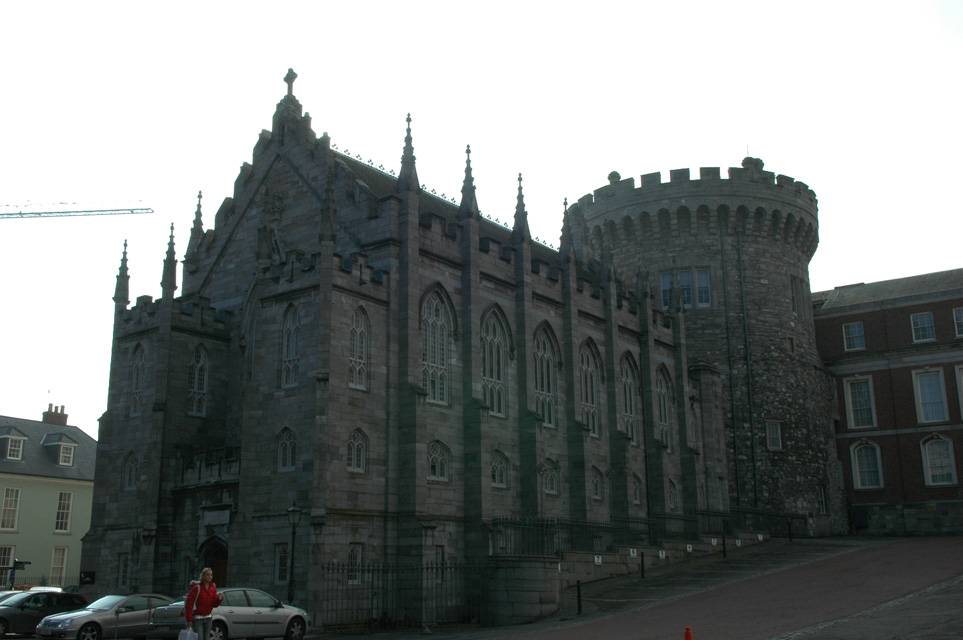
278, 604
121, 610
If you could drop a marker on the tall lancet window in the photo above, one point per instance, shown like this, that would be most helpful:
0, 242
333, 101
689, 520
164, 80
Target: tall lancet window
630, 400
358, 357
493, 365
545, 368
664, 407
138, 374
435, 332
589, 377
197, 383
291, 349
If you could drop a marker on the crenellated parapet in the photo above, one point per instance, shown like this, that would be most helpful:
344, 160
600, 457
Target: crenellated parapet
191, 314
751, 201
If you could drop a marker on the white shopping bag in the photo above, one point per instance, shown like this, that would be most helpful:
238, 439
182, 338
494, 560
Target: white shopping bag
187, 634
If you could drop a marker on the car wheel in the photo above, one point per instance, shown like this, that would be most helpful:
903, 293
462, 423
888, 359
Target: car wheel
89, 632
3, 628
218, 631
295, 630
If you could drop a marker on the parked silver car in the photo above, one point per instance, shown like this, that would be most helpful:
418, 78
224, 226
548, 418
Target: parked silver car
109, 617
244, 613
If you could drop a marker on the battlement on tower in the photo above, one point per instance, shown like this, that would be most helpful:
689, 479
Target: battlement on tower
755, 203
748, 180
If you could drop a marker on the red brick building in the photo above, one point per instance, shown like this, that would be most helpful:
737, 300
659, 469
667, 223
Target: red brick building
896, 349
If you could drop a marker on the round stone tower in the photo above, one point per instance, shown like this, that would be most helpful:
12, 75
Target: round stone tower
737, 250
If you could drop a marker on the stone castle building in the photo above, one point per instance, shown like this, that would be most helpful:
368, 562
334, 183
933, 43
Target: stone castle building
408, 372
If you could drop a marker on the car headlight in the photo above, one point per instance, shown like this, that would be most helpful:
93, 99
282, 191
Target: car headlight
60, 624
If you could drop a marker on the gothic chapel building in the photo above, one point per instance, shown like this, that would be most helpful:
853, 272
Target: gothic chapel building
406, 371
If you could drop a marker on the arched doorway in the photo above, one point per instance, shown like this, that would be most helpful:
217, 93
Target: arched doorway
213, 554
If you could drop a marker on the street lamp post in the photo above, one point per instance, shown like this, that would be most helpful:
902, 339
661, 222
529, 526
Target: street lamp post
294, 517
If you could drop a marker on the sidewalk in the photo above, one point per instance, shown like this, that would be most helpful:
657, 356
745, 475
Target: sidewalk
830, 589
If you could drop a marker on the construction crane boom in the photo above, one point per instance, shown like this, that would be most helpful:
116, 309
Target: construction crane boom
24, 213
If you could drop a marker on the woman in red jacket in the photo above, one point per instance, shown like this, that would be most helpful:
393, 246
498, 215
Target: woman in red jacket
201, 600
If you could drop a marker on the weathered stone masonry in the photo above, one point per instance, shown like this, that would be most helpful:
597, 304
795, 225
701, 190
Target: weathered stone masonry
500, 377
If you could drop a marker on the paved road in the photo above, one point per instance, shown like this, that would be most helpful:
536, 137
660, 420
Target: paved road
830, 589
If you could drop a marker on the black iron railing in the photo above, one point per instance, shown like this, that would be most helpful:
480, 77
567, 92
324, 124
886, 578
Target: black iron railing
381, 597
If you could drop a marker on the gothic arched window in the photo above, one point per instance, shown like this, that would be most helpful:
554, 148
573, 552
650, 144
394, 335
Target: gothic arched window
138, 374
439, 462
493, 365
636, 489
662, 392
590, 390
500, 470
357, 451
131, 472
545, 372
287, 450
435, 332
630, 414
598, 484
197, 383
291, 348
358, 356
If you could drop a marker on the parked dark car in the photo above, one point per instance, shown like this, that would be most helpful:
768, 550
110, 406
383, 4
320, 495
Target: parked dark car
244, 613
108, 617
20, 613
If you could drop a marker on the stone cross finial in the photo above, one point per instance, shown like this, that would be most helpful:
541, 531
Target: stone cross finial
290, 78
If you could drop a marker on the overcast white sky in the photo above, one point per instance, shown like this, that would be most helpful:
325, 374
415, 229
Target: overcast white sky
122, 102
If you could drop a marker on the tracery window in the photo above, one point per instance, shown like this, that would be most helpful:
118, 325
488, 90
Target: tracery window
500, 470
439, 462
493, 365
358, 357
138, 373
590, 390
545, 372
435, 332
630, 400
598, 484
131, 472
550, 470
287, 448
355, 561
664, 406
636, 490
358, 451
197, 383
291, 349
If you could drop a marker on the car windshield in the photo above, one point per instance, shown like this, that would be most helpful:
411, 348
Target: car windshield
105, 603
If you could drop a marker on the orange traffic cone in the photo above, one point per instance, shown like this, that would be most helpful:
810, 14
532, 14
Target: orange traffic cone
688, 633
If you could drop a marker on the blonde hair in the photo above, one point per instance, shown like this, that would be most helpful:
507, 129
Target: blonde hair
200, 578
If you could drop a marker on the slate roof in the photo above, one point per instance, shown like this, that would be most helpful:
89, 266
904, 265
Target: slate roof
41, 450
942, 284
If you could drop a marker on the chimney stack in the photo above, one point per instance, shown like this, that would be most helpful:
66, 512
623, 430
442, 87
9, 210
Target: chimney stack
55, 415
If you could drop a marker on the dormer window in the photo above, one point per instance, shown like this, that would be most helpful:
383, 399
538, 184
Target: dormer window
15, 448
67, 455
